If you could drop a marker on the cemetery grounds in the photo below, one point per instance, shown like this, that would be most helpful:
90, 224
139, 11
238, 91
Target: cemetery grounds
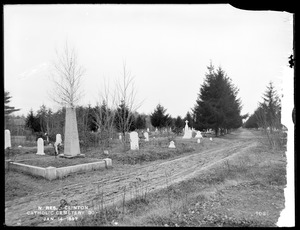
234, 180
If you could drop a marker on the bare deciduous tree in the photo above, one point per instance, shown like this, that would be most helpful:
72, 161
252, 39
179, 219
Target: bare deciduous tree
117, 106
105, 114
126, 102
67, 76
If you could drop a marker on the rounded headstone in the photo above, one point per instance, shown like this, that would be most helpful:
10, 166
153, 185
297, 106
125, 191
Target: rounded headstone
40, 147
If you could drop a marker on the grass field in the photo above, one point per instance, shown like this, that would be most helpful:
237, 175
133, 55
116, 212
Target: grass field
246, 191
244, 188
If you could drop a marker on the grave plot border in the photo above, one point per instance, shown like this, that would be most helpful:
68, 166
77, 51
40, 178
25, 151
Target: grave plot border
51, 173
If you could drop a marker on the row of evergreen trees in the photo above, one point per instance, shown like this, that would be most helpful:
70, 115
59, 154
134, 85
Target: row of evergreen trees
217, 107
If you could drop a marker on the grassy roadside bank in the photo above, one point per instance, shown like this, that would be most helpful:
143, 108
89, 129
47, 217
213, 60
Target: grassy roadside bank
247, 190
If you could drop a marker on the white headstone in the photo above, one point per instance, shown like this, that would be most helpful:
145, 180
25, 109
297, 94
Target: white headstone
58, 139
156, 130
146, 135
40, 146
148, 130
120, 136
7, 139
187, 131
134, 141
210, 139
198, 141
172, 145
198, 135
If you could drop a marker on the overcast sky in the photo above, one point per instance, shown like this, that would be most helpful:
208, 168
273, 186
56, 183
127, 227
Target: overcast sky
167, 48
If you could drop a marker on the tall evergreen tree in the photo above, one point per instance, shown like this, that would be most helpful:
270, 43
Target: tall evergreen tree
251, 122
158, 118
140, 121
268, 114
43, 117
8, 109
217, 106
271, 107
32, 122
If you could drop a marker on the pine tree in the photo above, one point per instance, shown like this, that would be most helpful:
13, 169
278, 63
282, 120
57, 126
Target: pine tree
179, 124
8, 109
158, 118
32, 122
251, 122
270, 109
140, 121
217, 106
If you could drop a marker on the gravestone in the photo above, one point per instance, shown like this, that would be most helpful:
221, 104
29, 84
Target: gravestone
120, 136
187, 131
146, 135
40, 146
71, 143
156, 130
210, 139
198, 141
58, 139
198, 134
148, 130
172, 145
47, 137
134, 141
7, 139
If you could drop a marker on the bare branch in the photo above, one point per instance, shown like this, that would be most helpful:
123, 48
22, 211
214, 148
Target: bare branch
67, 76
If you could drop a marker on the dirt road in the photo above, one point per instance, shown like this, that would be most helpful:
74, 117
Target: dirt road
135, 179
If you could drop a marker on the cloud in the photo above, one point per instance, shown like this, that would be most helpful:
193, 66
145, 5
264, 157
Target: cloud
33, 72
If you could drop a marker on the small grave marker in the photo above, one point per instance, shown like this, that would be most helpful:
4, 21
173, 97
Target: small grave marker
146, 135
198, 135
40, 147
172, 145
134, 141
